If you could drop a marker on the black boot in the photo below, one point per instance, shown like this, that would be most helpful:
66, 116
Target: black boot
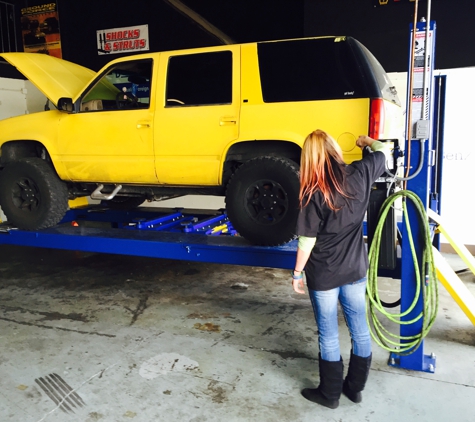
331, 380
355, 381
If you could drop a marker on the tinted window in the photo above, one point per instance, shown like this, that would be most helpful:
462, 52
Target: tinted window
200, 79
306, 70
124, 86
388, 90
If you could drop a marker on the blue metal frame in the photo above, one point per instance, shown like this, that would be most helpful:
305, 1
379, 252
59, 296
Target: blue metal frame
438, 131
95, 229
417, 360
421, 185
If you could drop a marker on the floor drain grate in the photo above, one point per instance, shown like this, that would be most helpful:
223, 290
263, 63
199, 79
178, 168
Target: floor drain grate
60, 392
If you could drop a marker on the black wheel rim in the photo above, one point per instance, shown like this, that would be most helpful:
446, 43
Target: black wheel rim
266, 202
26, 195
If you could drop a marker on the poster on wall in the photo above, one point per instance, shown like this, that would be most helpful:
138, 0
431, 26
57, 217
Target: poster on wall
40, 29
123, 40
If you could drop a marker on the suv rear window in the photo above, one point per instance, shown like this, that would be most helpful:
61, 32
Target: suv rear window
307, 70
388, 90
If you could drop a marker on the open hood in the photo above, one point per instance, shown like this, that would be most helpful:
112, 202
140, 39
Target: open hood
54, 77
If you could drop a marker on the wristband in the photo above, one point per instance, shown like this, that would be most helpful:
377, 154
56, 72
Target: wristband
296, 277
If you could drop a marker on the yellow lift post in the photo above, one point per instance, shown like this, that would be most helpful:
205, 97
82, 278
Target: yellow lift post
447, 275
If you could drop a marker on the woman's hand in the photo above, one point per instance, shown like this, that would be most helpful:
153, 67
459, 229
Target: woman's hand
298, 286
300, 262
365, 141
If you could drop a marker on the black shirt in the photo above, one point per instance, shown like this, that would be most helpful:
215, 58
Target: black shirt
339, 257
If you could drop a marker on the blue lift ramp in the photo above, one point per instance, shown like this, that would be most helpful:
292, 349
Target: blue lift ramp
191, 235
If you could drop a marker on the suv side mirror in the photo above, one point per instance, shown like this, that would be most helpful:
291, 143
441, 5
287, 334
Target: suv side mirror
65, 104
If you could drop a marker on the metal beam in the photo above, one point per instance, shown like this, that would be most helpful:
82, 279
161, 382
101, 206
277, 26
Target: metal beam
202, 22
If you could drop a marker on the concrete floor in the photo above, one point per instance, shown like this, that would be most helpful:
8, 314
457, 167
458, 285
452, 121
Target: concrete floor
142, 339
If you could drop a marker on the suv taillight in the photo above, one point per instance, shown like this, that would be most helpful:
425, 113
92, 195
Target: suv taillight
376, 118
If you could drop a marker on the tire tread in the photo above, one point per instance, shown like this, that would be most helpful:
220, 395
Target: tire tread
57, 194
274, 238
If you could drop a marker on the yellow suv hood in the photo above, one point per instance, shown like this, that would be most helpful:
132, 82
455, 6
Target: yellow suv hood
54, 77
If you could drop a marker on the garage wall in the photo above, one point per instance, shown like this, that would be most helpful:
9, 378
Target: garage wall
459, 150
385, 29
19, 96
12, 98
459, 154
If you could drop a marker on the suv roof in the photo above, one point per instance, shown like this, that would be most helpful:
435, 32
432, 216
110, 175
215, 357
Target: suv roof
348, 71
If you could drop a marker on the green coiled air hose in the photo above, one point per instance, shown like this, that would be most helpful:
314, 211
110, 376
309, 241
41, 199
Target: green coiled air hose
426, 279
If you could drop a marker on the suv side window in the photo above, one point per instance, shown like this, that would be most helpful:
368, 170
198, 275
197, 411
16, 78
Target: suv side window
309, 70
199, 79
124, 86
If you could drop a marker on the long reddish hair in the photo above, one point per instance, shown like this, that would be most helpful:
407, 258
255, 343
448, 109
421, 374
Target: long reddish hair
322, 169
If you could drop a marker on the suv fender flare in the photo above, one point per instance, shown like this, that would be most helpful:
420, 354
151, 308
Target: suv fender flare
17, 149
243, 151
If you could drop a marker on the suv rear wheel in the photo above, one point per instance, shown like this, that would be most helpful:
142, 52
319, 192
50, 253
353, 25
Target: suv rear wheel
31, 194
262, 200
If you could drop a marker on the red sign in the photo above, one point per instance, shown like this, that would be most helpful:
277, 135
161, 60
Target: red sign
121, 40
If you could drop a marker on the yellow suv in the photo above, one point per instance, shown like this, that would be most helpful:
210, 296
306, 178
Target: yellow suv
227, 120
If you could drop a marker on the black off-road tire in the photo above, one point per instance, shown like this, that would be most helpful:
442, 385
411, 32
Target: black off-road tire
125, 202
262, 200
31, 195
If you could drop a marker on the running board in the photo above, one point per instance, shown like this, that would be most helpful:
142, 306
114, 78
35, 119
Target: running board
447, 275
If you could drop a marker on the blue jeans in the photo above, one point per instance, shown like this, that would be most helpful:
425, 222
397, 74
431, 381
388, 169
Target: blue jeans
353, 302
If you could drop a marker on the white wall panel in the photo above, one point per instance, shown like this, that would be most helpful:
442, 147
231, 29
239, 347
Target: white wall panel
12, 97
459, 149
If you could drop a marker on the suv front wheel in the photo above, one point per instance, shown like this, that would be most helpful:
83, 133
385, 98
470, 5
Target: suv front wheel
31, 195
262, 200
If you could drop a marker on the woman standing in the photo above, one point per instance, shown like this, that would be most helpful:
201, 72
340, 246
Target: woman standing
334, 198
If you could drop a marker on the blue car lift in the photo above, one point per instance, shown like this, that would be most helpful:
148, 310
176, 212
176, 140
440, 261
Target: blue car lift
427, 186
192, 235
208, 236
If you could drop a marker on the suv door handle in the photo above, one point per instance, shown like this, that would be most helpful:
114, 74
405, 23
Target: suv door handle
143, 124
227, 120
